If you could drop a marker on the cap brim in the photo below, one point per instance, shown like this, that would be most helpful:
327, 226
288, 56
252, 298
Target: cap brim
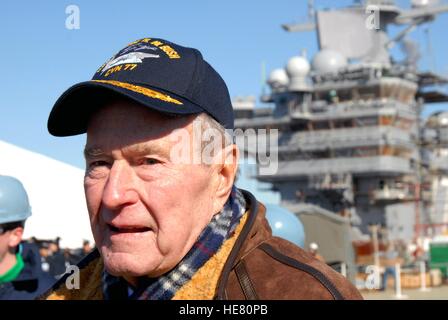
71, 112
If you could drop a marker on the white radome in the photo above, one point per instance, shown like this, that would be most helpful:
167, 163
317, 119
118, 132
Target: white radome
298, 66
439, 119
278, 78
423, 3
329, 61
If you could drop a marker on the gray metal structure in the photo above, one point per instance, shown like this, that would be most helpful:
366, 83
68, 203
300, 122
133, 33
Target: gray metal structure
332, 232
351, 136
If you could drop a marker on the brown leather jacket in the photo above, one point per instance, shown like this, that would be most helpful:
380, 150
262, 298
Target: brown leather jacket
261, 266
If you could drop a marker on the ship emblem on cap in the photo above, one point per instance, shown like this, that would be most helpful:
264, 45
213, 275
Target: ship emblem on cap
132, 57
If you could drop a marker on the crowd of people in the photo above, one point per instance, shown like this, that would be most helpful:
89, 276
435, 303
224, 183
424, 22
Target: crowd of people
55, 260
27, 267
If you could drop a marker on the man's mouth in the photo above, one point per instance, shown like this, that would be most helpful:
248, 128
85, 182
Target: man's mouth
128, 229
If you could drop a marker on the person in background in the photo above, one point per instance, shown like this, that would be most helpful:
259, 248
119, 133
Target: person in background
314, 247
56, 260
86, 247
389, 259
21, 276
418, 253
77, 255
44, 253
69, 257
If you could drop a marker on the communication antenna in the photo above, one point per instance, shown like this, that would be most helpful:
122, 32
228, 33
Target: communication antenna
411, 49
432, 60
263, 77
311, 10
309, 25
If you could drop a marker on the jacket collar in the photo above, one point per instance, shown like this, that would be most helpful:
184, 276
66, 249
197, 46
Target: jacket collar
255, 231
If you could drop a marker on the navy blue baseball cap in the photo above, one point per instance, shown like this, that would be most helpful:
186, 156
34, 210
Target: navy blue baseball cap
156, 73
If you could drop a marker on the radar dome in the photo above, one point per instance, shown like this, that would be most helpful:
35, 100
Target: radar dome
278, 79
329, 61
438, 119
423, 3
297, 69
285, 224
297, 66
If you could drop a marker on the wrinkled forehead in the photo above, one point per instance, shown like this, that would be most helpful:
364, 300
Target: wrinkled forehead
127, 113
123, 121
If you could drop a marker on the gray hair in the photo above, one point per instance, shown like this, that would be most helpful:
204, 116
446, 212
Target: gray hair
209, 123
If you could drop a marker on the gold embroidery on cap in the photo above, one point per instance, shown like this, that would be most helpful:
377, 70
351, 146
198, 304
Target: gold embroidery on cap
145, 91
169, 51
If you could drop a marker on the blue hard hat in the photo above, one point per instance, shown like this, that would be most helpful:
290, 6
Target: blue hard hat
14, 204
285, 224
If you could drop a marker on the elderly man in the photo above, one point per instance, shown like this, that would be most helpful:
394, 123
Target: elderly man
167, 220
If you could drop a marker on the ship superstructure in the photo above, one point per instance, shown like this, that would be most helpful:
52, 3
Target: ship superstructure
351, 135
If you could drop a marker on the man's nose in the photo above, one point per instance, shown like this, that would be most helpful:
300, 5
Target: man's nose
120, 188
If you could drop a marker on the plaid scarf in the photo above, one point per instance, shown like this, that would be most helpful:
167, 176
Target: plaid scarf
220, 228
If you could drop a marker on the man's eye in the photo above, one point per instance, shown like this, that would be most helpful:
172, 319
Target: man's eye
99, 163
150, 161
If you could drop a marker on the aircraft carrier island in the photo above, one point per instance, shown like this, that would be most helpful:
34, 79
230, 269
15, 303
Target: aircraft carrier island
352, 139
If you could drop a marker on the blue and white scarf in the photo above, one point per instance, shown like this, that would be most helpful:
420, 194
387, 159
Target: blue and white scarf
220, 228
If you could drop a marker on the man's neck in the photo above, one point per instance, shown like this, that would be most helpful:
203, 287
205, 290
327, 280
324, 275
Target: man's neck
7, 263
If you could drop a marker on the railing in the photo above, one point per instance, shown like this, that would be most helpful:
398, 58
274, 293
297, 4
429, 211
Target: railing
391, 194
439, 163
365, 165
347, 137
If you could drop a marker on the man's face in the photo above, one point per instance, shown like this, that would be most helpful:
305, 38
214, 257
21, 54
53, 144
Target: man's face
146, 210
44, 252
9, 239
53, 248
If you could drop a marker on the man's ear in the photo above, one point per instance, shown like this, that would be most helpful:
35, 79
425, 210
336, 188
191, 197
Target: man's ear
227, 167
15, 237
